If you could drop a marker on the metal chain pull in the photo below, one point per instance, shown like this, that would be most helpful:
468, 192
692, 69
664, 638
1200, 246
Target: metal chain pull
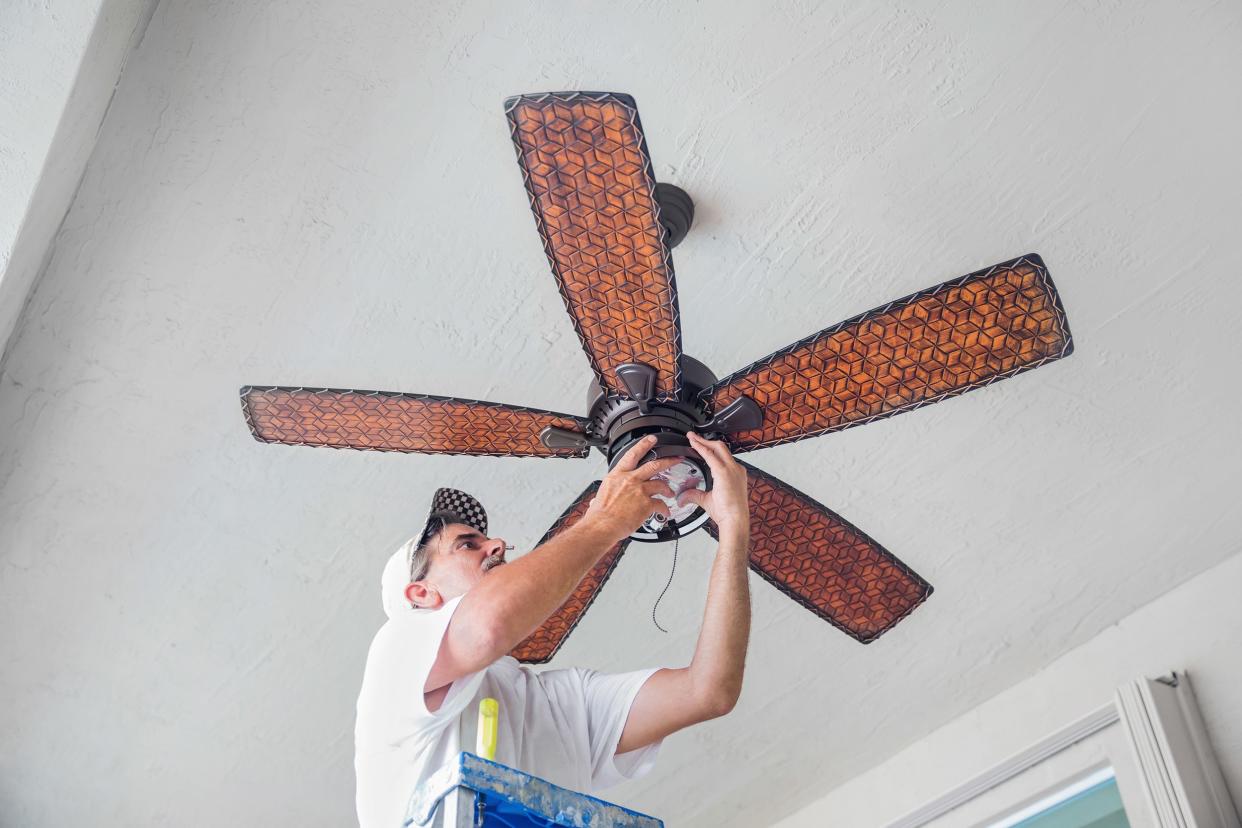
666, 586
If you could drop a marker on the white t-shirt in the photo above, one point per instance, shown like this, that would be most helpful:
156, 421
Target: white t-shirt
560, 725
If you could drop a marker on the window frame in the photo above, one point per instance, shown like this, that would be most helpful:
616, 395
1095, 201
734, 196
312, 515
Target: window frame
1151, 735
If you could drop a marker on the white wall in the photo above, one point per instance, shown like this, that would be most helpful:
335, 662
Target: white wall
1196, 627
60, 61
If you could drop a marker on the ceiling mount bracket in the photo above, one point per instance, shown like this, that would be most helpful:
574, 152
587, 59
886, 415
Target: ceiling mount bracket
676, 212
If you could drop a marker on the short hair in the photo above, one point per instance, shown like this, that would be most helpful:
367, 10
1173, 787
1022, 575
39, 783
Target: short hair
419, 554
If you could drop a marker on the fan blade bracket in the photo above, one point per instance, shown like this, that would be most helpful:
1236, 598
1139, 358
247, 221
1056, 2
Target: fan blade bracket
742, 414
555, 437
640, 383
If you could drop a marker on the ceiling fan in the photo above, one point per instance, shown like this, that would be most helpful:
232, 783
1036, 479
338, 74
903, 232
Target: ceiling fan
607, 228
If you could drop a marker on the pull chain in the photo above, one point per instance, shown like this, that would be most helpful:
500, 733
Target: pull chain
676, 541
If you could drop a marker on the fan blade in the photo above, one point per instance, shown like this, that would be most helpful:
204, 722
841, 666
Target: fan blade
388, 421
824, 562
586, 169
542, 644
935, 344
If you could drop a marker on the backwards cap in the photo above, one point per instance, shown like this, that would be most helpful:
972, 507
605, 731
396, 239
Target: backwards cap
452, 504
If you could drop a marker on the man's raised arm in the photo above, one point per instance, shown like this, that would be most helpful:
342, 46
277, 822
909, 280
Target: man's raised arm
513, 600
673, 699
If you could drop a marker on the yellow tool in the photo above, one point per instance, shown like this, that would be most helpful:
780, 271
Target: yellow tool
489, 721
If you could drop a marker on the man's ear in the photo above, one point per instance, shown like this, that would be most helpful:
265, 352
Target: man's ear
424, 595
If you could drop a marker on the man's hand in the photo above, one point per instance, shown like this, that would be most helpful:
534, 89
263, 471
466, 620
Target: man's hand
626, 496
726, 503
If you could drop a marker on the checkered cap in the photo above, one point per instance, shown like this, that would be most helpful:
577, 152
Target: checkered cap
396, 577
467, 510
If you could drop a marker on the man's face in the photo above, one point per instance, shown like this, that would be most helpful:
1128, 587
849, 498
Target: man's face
460, 557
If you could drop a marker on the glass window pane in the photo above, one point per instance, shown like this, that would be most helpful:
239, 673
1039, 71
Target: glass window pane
1098, 806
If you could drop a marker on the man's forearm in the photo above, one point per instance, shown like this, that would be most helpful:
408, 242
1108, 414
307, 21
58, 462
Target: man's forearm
514, 599
671, 699
720, 655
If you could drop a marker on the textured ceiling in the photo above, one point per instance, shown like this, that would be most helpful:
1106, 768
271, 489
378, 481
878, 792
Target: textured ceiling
325, 194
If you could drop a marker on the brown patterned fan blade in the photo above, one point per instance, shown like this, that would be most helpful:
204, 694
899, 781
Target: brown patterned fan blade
387, 421
943, 341
825, 563
542, 644
585, 165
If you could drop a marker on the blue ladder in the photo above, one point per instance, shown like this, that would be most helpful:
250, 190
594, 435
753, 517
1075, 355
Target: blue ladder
470, 792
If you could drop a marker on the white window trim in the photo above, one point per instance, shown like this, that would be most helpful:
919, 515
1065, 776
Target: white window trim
1172, 760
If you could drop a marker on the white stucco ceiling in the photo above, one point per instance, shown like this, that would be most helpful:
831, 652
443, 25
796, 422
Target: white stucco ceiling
325, 194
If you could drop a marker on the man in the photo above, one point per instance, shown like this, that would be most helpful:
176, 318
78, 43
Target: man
454, 613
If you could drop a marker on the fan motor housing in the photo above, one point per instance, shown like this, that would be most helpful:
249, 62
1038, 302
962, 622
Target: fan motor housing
617, 422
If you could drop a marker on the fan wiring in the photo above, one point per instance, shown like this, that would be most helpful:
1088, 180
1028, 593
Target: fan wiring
676, 541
